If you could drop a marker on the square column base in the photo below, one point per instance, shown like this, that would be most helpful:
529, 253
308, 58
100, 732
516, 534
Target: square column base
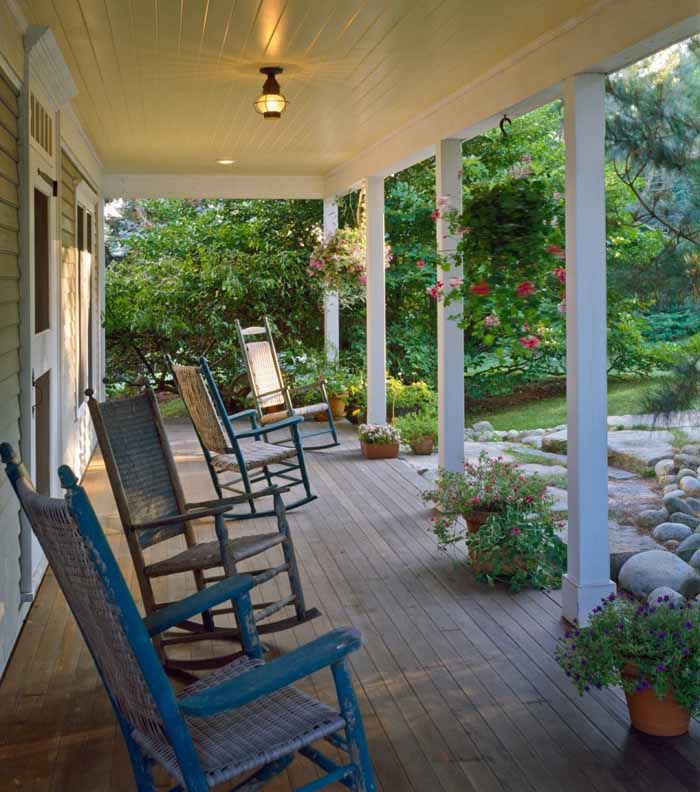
578, 601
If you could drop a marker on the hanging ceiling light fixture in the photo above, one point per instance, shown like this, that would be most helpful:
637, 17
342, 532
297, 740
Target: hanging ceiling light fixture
271, 103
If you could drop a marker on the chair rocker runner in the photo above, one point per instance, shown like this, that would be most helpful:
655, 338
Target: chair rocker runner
244, 718
152, 508
243, 455
273, 399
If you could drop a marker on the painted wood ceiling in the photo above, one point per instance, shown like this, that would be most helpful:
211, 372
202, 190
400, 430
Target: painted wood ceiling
167, 86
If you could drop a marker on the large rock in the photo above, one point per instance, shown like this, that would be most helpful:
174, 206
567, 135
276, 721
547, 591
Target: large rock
683, 472
639, 450
688, 546
692, 450
664, 467
694, 504
695, 560
692, 522
671, 530
669, 488
690, 587
650, 518
674, 504
665, 596
555, 442
686, 460
650, 569
690, 485
532, 440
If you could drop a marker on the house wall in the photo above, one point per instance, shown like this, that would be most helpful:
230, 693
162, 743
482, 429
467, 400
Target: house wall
11, 607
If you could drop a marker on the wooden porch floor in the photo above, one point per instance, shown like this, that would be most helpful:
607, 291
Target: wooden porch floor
458, 684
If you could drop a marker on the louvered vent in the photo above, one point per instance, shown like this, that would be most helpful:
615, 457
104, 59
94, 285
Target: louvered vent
41, 126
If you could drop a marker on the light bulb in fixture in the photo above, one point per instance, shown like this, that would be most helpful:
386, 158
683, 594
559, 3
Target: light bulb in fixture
271, 103
225, 161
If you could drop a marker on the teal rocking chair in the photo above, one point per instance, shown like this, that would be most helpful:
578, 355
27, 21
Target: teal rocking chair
273, 399
237, 460
245, 721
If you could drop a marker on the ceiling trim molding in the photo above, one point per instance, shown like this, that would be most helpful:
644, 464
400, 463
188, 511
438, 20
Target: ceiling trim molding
18, 14
195, 186
582, 44
47, 64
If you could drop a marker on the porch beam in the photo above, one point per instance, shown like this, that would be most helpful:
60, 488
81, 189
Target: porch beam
376, 308
331, 304
450, 337
587, 579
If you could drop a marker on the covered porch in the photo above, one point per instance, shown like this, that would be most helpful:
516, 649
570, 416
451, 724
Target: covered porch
457, 683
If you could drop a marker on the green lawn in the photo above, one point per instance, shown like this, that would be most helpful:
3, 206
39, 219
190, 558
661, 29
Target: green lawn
624, 398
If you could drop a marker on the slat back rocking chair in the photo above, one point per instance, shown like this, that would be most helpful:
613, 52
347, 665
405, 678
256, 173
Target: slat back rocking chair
246, 719
152, 508
244, 456
273, 399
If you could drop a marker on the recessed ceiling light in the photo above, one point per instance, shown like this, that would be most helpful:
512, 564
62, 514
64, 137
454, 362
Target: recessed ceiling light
225, 161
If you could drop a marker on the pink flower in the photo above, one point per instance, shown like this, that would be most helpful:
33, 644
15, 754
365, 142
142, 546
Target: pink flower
420, 263
456, 281
436, 214
492, 320
514, 531
435, 291
363, 279
560, 274
557, 251
480, 289
529, 342
525, 289
310, 272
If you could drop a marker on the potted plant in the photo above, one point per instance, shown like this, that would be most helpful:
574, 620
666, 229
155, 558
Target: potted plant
518, 546
379, 441
418, 430
337, 380
651, 649
484, 488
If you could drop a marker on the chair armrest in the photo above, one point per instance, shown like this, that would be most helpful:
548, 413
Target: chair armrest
242, 414
234, 587
325, 651
234, 499
219, 507
261, 430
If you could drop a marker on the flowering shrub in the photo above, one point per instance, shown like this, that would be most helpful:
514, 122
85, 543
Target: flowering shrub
379, 433
339, 263
659, 643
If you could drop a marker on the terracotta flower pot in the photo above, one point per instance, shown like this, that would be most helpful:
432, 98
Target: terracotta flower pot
379, 450
660, 718
337, 405
423, 445
477, 517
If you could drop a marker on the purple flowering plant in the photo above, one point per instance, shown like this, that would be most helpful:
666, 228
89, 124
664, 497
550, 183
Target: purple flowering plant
639, 645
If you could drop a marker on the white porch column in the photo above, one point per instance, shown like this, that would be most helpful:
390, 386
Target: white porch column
450, 337
376, 318
331, 306
587, 579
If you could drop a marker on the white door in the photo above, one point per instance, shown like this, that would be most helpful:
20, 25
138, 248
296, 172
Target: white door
43, 320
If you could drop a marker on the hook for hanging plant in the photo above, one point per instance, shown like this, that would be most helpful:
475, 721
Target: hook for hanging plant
505, 120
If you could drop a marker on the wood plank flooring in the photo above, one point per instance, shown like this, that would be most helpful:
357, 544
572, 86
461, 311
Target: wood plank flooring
457, 683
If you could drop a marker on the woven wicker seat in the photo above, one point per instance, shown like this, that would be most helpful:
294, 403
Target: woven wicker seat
245, 717
238, 741
207, 555
268, 389
256, 455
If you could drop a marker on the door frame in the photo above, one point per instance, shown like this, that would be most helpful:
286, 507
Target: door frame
39, 170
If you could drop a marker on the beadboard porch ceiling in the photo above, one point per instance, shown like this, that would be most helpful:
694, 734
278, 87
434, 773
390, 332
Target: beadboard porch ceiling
167, 86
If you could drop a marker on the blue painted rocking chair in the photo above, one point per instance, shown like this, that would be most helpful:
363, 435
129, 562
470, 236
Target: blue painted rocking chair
273, 399
245, 720
237, 460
